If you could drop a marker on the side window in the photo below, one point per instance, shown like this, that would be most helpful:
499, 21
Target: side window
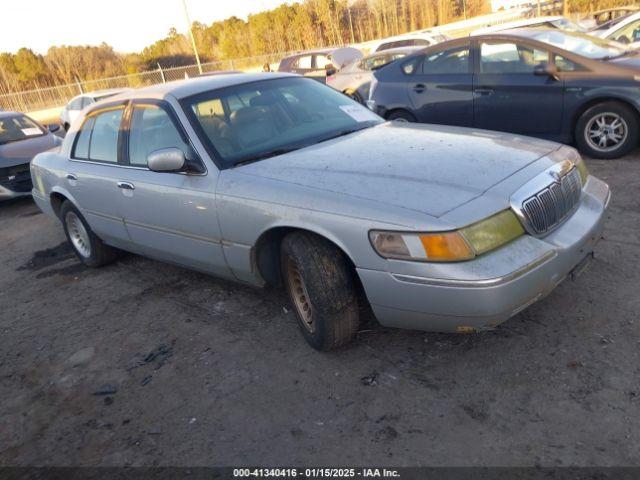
510, 58
628, 34
84, 136
565, 65
98, 137
375, 62
104, 138
303, 62
152, 129
454, 60
322, 61
420, 42
409, 67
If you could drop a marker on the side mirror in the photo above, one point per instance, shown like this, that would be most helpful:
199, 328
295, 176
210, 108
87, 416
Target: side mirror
166, 160
53, 128
329, 69
544, 69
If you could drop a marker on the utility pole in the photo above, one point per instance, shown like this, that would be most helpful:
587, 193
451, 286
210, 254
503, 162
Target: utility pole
193, 40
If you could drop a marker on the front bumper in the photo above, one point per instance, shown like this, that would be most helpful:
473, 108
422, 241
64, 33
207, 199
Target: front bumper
482, 293
15, 182
6, 193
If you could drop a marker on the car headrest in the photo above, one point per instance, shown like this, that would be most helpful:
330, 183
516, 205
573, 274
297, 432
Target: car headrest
247, 114
263, 100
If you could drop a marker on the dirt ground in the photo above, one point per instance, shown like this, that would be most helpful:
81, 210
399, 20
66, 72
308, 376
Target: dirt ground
142, 363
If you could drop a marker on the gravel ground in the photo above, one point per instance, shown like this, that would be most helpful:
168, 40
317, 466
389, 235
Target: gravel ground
141, 363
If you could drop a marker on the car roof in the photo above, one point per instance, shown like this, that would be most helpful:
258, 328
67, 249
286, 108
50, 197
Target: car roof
311, 52
186, 88
9, 113
516, 24
410, 49
524, 32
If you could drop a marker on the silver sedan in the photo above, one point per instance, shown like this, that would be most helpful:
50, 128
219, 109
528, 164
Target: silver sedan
275, 178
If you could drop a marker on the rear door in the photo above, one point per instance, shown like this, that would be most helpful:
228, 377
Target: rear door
508, 96
169, 215
92, 173
440, 91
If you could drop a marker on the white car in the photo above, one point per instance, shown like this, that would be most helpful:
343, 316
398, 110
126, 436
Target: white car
423, 38
559, 22
72, 109
623, 30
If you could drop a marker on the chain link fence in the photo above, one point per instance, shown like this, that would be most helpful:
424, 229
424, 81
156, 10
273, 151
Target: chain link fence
52, 97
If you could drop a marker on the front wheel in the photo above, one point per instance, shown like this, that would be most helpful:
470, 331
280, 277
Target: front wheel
607, 130
321, 289
89, 249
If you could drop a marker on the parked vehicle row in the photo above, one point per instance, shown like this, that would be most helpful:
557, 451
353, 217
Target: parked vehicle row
564, 86
276, 179
354, 79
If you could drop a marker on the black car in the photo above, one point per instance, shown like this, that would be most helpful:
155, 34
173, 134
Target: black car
21, 138
563, 86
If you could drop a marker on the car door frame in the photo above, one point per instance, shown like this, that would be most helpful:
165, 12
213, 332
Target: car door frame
531, 43
415, 81
108, 226
209, 258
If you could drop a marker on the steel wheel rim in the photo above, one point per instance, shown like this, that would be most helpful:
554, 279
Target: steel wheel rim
401, 120
606, 132
300, 296
78, 234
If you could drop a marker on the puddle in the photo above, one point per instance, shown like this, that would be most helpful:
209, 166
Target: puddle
48, 257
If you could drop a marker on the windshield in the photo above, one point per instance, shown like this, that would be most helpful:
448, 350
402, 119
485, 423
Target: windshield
258, 120
581, 44
18, 127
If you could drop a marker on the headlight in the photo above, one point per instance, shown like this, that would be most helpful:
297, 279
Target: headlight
582, 170
452, 246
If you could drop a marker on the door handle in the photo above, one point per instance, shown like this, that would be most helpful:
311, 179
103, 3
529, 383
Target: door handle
72, 176
484, 91
126, 186
419, 88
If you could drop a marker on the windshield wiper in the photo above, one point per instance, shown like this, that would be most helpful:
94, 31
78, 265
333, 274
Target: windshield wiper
342, 133
271, 153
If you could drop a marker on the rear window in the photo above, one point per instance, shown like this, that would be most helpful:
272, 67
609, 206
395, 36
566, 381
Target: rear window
98, 138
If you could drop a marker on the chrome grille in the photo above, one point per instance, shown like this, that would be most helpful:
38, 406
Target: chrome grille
549, 207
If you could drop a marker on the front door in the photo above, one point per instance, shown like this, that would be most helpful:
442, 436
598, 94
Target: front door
509, 97
440, 90
169, 216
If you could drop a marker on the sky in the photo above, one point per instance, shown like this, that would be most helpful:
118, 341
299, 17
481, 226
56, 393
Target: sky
126, 25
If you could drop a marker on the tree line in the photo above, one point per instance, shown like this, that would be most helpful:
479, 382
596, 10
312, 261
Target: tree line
289, 27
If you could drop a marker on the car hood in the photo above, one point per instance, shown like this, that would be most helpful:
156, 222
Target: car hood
16, 153
427, 168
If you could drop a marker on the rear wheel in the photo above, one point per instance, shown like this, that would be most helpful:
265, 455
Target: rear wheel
401, 116
607, 130
89, 249
321, 288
